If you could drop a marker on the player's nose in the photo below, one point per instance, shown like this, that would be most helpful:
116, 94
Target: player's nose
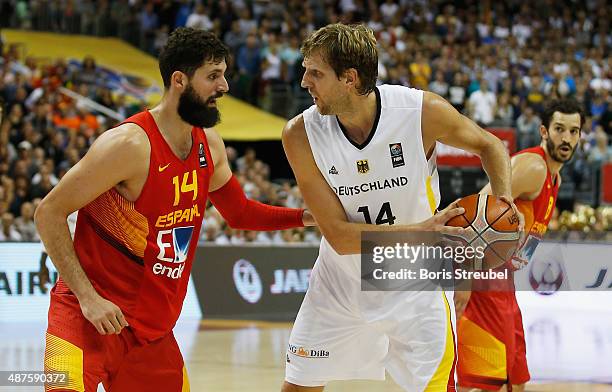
223, 86
566, 137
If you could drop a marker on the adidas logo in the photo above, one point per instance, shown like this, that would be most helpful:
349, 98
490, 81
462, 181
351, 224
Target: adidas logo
333, 170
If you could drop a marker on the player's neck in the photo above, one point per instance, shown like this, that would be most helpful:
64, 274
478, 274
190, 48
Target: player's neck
554, 167
359, 117
169, 122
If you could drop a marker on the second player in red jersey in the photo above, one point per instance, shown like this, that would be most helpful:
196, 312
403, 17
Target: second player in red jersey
491, 340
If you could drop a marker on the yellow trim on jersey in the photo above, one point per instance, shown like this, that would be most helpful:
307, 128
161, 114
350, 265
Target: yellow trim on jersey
63, 356
185, 387
439, 380
431, 198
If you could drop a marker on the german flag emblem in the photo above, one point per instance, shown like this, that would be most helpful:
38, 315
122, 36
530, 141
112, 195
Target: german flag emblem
362, 166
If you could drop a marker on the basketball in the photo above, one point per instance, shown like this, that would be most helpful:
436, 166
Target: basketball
494, 226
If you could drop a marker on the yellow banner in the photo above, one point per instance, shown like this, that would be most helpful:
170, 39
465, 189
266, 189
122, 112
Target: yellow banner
240, 121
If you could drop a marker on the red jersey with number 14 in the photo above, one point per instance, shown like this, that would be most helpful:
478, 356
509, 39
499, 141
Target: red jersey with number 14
138, 254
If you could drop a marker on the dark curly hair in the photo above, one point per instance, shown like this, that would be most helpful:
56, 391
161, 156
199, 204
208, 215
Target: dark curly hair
565, 106
187, 49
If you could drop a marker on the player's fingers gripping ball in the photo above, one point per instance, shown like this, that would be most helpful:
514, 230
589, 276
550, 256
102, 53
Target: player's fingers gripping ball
492, 229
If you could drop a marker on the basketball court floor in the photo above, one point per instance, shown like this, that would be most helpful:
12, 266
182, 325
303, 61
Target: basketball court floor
232, 356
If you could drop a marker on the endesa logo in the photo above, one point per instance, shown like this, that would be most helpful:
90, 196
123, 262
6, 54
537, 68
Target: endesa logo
173, 248
307, 353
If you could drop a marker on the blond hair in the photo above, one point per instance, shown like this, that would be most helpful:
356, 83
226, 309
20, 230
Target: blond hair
347, 46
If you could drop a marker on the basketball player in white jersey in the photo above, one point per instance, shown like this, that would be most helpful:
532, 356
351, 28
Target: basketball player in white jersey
364, 159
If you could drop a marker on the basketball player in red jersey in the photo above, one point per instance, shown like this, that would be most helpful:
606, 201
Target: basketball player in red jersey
491, 341
141, 192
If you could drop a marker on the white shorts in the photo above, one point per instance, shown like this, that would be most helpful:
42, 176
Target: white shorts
409, 334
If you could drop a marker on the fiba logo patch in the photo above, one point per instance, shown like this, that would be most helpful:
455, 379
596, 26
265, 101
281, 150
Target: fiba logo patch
173, 248
546, 276
397, 156
247, 281
202, 156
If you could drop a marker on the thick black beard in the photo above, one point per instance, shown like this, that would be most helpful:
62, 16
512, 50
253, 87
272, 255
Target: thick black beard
552, 151
196, 112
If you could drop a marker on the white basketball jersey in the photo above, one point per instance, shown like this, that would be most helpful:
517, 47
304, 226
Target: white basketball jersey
387, 179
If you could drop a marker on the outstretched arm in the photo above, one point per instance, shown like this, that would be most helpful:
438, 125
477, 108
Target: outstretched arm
240, 212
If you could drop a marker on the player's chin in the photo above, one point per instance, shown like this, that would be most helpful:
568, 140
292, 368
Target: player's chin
565, 154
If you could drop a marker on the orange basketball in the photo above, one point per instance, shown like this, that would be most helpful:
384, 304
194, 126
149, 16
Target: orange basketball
494, 226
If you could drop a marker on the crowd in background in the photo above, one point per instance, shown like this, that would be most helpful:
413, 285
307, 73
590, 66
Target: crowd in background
497, 62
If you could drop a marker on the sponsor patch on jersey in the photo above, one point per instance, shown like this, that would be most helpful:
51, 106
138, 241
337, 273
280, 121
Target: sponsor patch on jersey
174, 244
173, 248
306, 352
202, 155
397, 155
333, 170
362, 166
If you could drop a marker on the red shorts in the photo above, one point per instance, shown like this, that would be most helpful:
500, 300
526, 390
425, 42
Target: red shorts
120, 362
491, 342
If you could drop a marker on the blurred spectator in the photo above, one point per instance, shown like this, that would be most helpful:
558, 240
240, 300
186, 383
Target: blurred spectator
420, 71
41, 189
504, 115
88, 74
210, 233
482, 105
25, 223
528, 128
9, 231
225, 237
248, 63
457, 92
234, 38
199, 19
439, 85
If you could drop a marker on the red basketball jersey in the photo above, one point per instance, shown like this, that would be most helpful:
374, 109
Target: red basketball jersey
542, 206
138, 255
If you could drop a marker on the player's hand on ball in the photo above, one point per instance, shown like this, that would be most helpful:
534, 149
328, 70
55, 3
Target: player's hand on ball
438, 221
521, 217
104, 315
519, 262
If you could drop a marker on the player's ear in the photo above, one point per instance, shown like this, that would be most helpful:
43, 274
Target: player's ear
543, 132
179, 80
351, 77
